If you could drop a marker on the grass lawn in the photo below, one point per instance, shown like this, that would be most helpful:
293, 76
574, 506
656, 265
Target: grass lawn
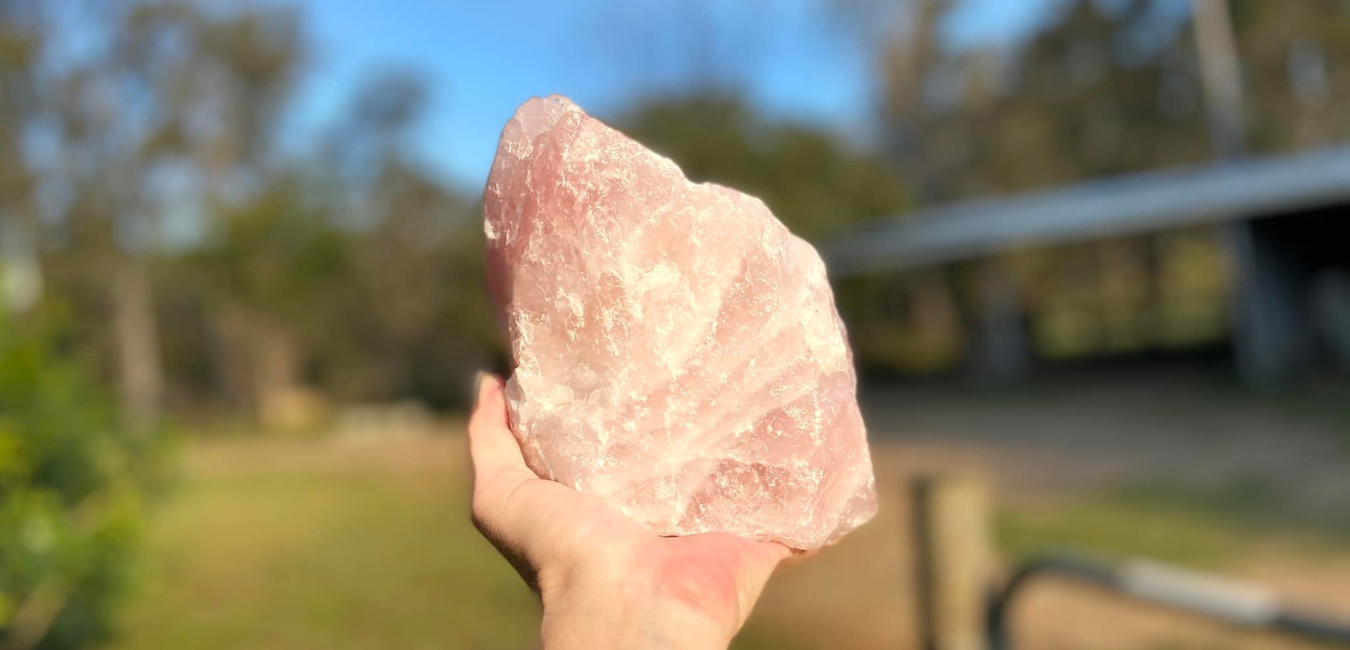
298, 544
277, 544
307, 545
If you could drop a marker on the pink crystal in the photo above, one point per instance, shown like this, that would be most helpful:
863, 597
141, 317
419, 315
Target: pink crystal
677, 351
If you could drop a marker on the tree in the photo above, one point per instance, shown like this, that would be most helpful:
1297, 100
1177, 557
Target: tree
72, 484
1296, 61
173, 107
813, 181
1104, 89
357, 232
420, 258
21, 43
274, 274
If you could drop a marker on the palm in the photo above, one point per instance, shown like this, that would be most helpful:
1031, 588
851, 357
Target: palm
553, 534
714, 571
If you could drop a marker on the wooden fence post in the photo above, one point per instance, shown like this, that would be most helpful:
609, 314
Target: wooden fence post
954, 561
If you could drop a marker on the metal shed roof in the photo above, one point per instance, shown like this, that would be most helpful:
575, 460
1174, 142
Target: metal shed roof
1131, 204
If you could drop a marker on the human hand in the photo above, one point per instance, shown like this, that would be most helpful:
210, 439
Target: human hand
605, 581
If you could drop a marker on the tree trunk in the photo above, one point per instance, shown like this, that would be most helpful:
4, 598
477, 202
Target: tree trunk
276, 373
20, 273
140, 374
261, 368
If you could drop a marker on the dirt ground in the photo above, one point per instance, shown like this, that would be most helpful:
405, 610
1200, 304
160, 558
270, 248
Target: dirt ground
859, 594
1063, 441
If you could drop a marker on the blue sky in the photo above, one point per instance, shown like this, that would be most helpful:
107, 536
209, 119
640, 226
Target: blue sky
793, 58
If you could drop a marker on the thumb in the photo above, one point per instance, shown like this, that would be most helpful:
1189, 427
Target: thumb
492, 447
498, 469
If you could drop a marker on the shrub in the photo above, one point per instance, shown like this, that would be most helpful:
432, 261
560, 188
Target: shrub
72, 483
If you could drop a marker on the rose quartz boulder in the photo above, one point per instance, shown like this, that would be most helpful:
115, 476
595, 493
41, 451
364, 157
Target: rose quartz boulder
677, 351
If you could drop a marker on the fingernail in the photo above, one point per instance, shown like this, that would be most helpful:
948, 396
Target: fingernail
477, 388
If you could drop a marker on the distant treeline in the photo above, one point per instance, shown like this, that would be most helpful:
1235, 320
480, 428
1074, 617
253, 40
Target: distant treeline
206, 269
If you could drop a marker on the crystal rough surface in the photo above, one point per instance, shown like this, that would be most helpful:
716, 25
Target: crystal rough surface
677, 351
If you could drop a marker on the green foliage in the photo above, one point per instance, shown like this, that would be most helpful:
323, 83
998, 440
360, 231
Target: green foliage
71, 487
277, 253
1100, 91
1294, 59
813, 181
1103, 89
277, 271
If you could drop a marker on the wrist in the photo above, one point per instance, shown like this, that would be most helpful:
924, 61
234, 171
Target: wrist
626, 610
